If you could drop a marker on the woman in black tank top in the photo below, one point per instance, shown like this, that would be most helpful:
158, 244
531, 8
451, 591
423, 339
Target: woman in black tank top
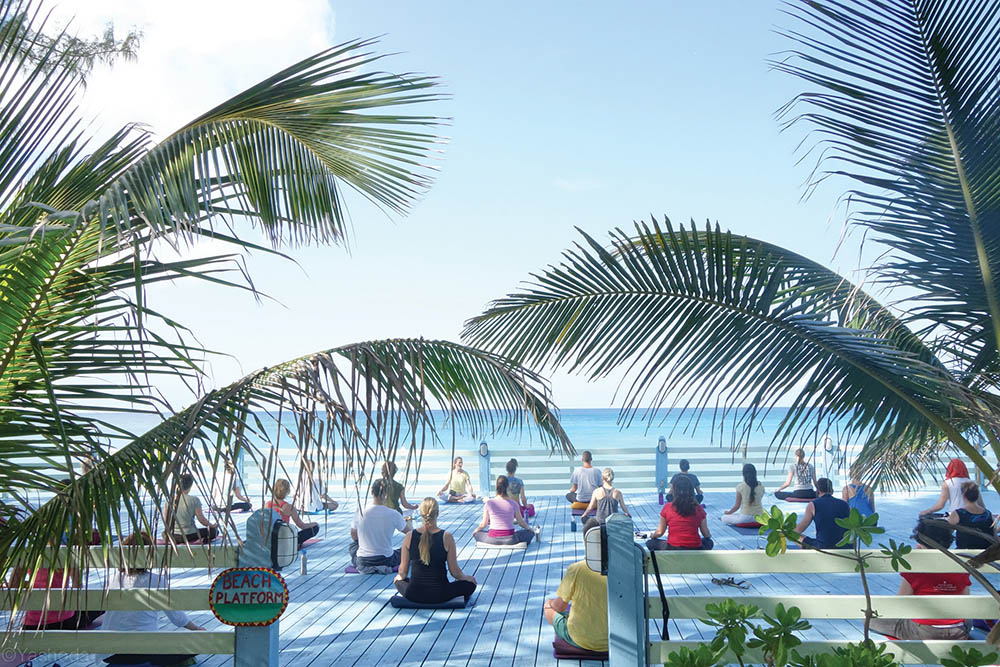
430, 550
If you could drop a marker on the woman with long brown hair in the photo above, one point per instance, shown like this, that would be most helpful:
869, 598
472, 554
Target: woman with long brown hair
430, 549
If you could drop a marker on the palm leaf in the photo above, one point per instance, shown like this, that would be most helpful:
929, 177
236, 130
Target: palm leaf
710, 319
906, 105
347, 409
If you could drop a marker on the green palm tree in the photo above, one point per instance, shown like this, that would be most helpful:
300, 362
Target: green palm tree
81, 344
904, 104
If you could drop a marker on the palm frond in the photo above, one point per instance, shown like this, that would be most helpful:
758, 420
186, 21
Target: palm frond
346, 409
906, 105
706, 318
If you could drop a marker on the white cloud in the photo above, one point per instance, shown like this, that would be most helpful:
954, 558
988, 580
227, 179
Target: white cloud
194, 53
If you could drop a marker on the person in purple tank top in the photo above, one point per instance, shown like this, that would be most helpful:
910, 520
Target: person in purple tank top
500, 513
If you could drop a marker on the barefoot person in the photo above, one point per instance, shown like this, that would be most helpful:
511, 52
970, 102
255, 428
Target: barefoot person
459, 485
606, 500
428, 550
288, 513
749, 497
500, 513
583, 482
579, 611
801, 477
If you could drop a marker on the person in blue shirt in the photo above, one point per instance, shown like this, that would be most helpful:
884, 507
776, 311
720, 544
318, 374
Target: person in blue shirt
859, 496
824, 511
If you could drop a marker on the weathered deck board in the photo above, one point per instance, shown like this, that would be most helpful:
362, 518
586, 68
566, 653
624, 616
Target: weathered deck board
340, 619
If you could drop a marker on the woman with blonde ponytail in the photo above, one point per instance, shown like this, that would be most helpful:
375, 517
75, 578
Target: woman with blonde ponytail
429, 549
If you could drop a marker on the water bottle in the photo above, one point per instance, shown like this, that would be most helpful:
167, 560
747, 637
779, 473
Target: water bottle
302, 563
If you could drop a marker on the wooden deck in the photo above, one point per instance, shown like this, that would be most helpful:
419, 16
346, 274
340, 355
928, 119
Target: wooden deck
341, 619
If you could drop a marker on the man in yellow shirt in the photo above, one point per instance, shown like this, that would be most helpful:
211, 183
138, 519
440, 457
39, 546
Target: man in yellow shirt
585, 623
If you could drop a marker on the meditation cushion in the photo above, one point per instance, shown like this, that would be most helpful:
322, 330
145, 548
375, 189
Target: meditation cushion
379, 569
746, 524
793, 499
311, 541
485, 545
399, 602
563, 650
350, 569
577, 512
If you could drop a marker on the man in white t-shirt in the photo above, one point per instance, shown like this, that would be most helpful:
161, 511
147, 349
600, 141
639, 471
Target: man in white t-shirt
584, 481
371, 534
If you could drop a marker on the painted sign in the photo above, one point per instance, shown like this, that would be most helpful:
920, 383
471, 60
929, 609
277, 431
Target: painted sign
248, 596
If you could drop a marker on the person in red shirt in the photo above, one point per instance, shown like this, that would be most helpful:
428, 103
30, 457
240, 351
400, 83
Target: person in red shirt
682, 519
928, 583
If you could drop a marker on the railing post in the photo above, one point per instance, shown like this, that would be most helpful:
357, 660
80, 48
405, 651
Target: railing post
830, 460
257, 646
484, 469
662, 471
627, 624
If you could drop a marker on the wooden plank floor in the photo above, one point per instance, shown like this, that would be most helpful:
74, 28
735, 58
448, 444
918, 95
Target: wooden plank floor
341, 619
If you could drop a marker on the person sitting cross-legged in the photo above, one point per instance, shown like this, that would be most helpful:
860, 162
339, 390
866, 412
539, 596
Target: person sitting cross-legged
186, 510
500, 513
395, 492
801, 477
749, 494
288, 513
583, 482
429, 550
143, 620
515, 490
458, 488
584, 623
685, 467
824, 512
974, 517
371, 533
928, 583
606, 500
682, 519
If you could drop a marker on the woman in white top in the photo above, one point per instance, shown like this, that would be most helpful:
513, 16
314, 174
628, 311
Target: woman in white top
801, 477
951, 491
749, 497
141, 621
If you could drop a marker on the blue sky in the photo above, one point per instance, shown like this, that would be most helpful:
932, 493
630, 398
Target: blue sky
585, 114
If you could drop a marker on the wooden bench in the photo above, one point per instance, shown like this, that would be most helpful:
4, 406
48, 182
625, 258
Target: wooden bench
249, 646
631, 608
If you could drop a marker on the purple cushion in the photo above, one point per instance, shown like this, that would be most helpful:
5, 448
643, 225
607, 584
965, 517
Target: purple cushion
578, 512
793, 499
563, 650
350, 569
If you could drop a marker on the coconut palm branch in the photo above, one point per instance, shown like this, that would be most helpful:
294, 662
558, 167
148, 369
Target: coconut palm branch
905, 103
350, 407
82, 227
706, 318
